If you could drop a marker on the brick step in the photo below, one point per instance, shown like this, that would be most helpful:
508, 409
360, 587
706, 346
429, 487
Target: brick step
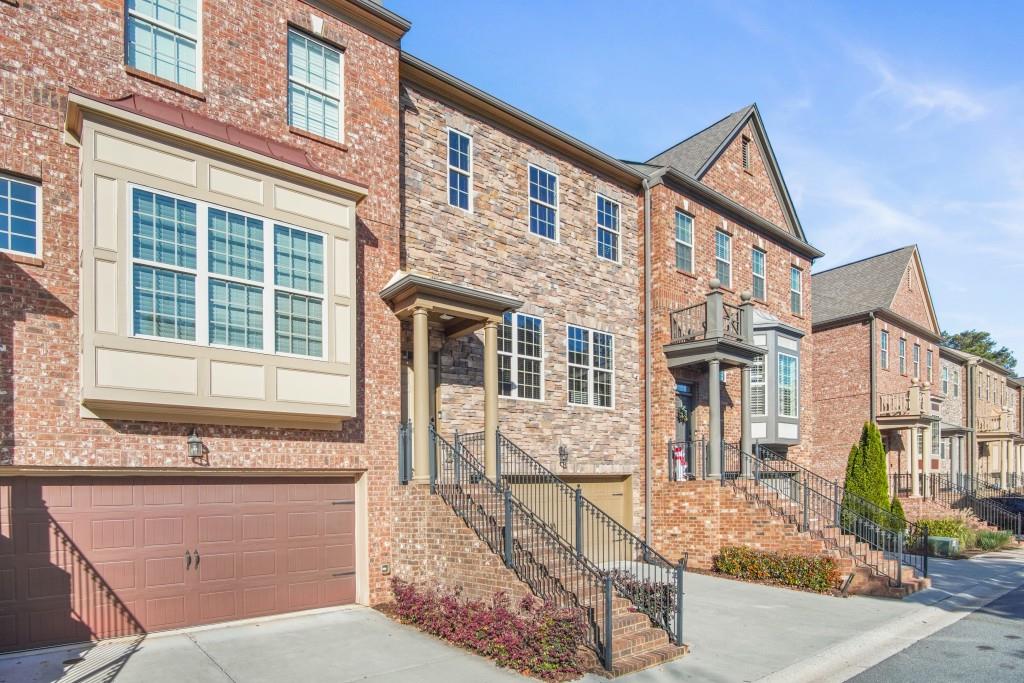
638, 642
637, 662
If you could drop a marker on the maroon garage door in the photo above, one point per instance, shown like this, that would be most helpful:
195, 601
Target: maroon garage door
86, 558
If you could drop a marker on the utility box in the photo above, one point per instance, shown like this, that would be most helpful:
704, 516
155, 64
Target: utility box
943, 546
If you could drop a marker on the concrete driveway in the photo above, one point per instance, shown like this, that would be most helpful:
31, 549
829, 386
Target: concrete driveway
346, 644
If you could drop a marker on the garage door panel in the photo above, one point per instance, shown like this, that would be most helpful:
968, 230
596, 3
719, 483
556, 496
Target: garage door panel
108, 558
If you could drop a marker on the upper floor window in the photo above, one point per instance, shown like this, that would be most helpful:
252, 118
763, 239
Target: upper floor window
314, 86
945, 380
163, 39
745, 147
19, 217
796, 289
214, 276
956, 382
928, 364
789, 379
590, 367
903, 356
460, 163
757, 259
723, 258
757, 387
684, 242
884, 350
543, 203
917, 361
521, 356
607, 228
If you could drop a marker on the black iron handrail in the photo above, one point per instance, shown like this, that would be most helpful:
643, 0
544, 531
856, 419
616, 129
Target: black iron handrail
869, 534
527, 546
641, 575
946, 490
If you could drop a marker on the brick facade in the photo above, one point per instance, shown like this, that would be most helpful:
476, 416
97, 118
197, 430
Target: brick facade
562, 282
50, 49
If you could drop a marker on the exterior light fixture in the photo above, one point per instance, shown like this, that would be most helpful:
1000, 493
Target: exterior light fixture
563, 457
195, 445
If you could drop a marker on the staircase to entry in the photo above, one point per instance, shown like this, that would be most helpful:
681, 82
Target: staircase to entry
631, 597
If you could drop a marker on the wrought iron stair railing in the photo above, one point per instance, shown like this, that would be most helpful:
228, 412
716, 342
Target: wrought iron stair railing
953, 494
872, 536
652, 583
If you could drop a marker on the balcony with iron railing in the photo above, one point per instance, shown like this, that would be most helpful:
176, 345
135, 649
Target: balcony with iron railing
712, 329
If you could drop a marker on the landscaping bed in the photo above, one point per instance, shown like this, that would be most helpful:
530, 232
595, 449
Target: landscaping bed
811, 573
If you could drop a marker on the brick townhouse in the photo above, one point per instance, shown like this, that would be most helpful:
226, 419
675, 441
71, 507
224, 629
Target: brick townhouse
241, 244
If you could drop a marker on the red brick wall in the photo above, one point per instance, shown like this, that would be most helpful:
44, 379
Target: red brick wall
911, 300
750, 187
842, 395
51, 47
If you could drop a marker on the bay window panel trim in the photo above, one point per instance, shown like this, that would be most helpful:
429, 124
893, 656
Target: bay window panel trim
793, 386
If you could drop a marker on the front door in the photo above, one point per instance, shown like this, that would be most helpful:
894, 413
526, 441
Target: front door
683, 450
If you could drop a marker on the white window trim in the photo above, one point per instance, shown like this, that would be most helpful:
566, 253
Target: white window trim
799, 291
469, 174
916, 359
339, 96
929, 363
944, 378
764, 274
764, 385
530, 200
902, 355
590, 369
176, 31
796, 386
39, 216
598, 227
514, 355
884, 349
728, 261
203, 276
693, 252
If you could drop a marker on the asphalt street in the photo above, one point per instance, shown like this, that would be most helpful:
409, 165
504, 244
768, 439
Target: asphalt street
987, 645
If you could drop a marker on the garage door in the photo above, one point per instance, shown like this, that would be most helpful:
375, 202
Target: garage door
88, 558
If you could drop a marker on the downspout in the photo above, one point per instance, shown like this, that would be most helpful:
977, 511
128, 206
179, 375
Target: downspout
972, 438
648, 446
872, 322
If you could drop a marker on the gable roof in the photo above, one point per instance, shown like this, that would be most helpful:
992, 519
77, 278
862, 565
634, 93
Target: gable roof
697, 153
864, 286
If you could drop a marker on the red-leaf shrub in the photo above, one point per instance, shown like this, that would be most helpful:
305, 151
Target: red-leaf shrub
537, 638
817, 573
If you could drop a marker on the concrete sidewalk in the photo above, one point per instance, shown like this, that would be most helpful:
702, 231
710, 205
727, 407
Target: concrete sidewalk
346, 644
746, 632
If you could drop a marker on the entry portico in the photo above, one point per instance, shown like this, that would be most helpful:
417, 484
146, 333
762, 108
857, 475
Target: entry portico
455, 310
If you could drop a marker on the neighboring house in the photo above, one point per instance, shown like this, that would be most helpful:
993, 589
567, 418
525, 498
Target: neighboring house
730, 316
876, 358
1017, 387
957, 434
199, 207
993, 407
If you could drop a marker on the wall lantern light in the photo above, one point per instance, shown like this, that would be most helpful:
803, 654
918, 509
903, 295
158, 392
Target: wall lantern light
195, 445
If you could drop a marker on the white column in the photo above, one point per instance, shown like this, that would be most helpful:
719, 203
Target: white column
491, 398
421, 395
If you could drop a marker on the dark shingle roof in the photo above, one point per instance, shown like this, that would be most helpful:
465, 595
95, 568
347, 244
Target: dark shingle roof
859, 287
690, 155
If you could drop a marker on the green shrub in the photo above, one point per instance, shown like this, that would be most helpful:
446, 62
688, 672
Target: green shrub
817, 573
867, 479
897, 511
947, 526
993, 540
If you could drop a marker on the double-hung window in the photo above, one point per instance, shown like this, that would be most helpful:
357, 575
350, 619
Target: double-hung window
757, 388
521, 356
903, 355
884, 350
543, 203
796, 288
757, 262
314, 86
956, 383
607, 228
20, 217
723, 258
789, 380
591, 367
460, 173
684, 242
945, 380
928, 365
917, 361
210, 275
163, 39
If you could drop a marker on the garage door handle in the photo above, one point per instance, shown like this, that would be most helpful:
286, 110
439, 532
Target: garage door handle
188, 560
197, 557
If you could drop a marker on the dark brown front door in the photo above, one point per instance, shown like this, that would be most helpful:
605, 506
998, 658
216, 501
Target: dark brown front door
89, 558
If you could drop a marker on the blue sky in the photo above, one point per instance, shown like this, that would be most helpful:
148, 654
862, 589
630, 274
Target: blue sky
894, 123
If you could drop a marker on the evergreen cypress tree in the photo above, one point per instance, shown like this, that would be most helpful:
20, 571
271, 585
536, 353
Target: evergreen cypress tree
867, 477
